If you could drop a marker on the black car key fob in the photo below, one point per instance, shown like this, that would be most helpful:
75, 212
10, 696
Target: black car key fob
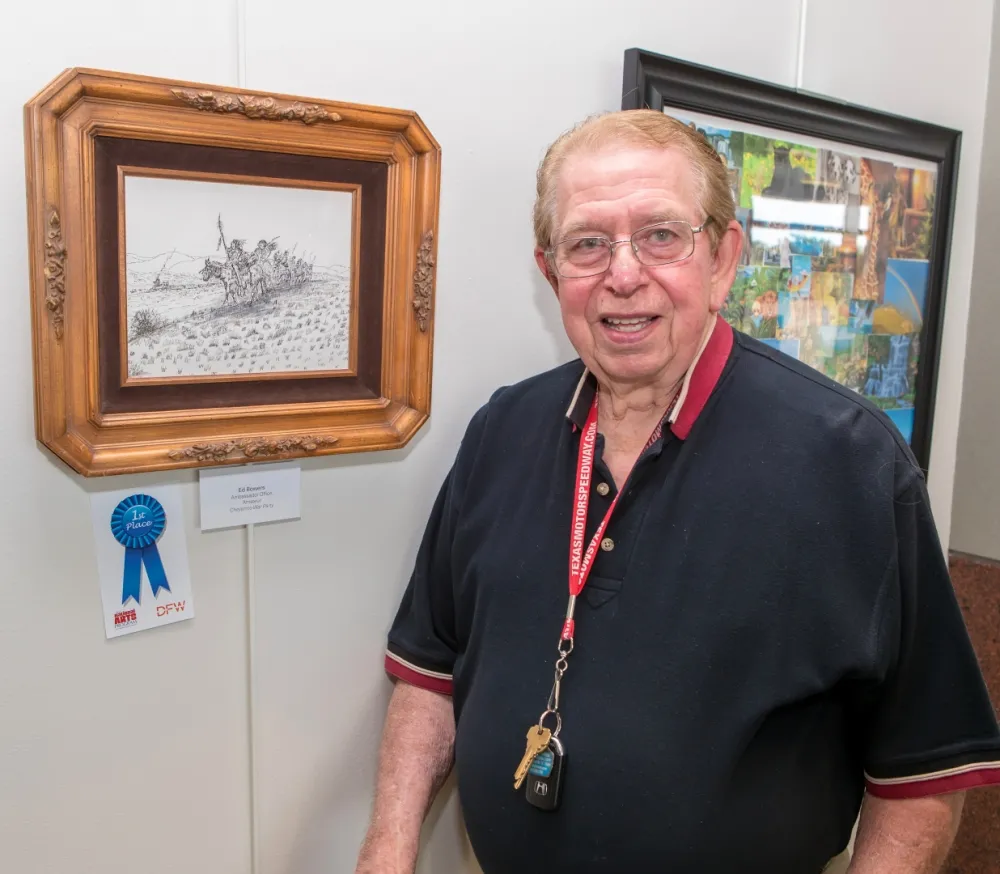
545, 775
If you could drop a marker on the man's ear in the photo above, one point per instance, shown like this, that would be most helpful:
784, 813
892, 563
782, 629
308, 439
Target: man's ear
546, 268
724, 263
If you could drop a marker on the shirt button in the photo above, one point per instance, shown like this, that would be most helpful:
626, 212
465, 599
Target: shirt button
603, 489
607, 544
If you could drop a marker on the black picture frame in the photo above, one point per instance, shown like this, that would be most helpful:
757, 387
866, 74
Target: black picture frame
657, 81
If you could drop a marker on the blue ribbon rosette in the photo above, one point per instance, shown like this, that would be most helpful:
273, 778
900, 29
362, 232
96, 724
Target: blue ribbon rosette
137, 523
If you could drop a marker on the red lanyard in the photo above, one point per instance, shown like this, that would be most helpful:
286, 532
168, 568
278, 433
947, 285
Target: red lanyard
581, 562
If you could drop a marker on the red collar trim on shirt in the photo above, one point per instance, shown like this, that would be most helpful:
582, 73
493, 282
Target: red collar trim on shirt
697, 388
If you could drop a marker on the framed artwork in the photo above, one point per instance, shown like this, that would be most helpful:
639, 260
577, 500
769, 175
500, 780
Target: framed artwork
221, 276
847, 216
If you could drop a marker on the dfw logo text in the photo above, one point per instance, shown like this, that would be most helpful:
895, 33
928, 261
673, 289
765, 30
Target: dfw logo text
170, 607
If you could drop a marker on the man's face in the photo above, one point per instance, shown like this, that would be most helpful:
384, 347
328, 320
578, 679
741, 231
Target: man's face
613, 193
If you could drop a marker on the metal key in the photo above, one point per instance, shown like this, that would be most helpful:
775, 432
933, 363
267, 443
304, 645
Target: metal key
538, 740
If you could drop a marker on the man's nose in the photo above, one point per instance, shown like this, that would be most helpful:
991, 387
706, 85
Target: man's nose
624, 271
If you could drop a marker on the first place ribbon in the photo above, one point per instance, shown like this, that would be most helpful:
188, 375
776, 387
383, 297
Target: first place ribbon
137, 523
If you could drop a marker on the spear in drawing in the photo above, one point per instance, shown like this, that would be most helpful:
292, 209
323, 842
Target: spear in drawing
225, 246
222, 238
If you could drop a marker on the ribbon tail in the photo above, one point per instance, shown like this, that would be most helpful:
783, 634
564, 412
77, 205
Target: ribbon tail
154, 569
132, 575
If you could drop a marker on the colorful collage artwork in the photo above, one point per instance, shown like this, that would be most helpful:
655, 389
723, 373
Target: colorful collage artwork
834, 271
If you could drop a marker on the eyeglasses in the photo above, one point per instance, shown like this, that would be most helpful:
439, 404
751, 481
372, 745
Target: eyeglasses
653, 246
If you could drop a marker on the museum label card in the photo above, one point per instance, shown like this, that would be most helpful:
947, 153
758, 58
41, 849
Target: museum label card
268, 493
142, 558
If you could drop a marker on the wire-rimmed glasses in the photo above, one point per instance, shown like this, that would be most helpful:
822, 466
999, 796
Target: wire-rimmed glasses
654, 245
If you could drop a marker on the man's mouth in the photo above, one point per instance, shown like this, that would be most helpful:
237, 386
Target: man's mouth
629, 325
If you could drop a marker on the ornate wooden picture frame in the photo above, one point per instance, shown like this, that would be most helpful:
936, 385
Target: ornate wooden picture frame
221, 277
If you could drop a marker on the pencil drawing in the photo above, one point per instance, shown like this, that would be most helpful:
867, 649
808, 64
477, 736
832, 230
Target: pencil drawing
263, 307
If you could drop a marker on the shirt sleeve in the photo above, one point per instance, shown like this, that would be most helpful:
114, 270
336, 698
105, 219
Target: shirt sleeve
423, 643
932, 728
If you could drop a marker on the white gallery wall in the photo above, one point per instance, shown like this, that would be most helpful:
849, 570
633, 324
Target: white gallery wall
976, 507
132, 754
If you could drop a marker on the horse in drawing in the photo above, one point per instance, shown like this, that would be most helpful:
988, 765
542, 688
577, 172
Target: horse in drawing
226, 273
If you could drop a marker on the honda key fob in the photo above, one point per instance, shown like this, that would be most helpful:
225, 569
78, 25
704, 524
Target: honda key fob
545, 776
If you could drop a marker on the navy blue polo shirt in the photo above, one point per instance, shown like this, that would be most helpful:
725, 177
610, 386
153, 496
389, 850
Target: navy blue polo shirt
771, 631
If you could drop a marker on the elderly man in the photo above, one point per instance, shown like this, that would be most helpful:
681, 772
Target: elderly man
680, 605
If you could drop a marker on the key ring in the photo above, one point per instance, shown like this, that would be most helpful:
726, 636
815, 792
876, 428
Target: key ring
555, 713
